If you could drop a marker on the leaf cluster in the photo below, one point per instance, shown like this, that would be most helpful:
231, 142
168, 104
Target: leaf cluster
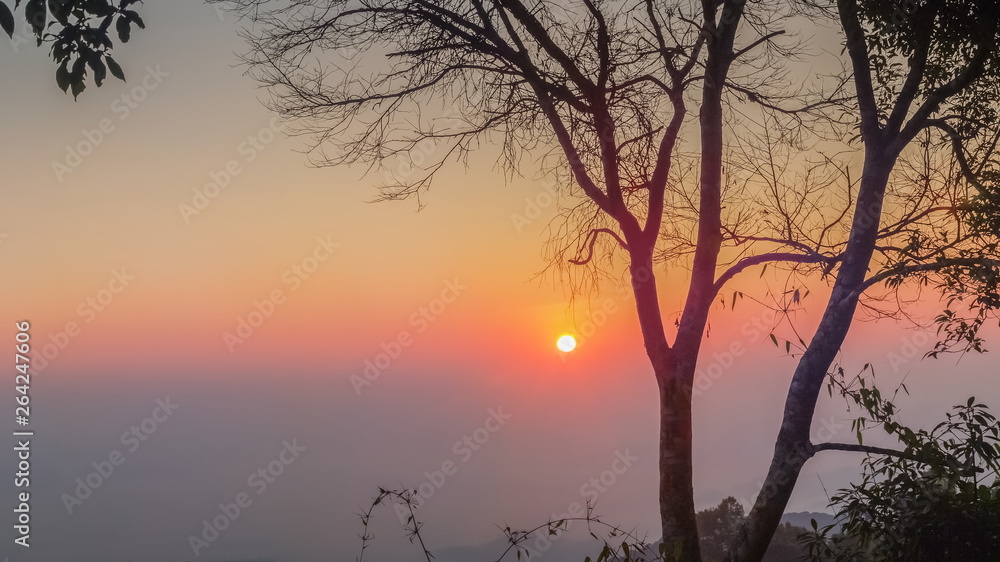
939, 500
80, 34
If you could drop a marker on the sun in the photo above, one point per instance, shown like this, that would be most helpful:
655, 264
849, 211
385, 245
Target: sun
566, 343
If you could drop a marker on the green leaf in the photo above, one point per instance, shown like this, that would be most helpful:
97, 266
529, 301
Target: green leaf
774, 340
124, 31
79, 68
78, 86
62, 77
788, 346
116, 70
6, 20
95, 63
132, 15
100, 8
59, 11
34, 13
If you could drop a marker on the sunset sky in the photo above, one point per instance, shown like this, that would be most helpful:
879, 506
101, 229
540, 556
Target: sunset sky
151, 290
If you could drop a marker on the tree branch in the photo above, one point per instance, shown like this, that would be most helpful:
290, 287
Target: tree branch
751, 261
964, 78
758, 42
867, 449
905, 270
858, 51
958, 148
918, 66
592, 237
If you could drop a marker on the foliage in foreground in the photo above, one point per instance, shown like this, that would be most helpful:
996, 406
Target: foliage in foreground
937, 499
717, 528
617, 544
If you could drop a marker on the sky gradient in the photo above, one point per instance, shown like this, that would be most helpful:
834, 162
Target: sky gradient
106, 241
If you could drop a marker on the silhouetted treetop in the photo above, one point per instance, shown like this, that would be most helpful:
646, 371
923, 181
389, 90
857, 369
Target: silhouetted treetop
80, 35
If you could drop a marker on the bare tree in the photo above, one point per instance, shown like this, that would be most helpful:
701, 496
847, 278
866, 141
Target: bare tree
600, 90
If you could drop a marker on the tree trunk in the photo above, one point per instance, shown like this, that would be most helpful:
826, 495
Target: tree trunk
677, 515
793, 447
674, 366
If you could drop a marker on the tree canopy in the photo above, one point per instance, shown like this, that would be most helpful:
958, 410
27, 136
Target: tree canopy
936, 499
79, 34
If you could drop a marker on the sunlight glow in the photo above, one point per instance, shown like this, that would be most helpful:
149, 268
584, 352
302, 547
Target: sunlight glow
566, 343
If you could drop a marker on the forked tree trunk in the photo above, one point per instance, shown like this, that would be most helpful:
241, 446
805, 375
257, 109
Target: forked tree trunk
793, 446
674, 366
676, 491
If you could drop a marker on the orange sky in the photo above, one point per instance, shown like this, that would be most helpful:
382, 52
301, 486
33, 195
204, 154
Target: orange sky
494, 346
